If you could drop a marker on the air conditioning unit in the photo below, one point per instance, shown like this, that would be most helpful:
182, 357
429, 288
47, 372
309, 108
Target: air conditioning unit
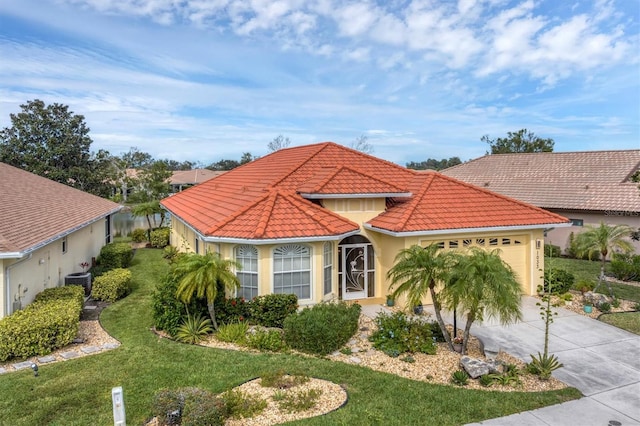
80, 278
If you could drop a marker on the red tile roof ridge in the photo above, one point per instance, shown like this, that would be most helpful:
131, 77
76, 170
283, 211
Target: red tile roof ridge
314, 209
498, 195
266, 213
325, 180
423, 182
294, 168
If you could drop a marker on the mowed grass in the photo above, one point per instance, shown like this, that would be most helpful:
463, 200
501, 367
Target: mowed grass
629, 321
78, 392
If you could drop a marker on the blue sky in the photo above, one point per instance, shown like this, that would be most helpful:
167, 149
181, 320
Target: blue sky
203, 80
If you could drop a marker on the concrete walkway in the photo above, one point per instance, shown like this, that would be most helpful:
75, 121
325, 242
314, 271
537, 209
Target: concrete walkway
600, 360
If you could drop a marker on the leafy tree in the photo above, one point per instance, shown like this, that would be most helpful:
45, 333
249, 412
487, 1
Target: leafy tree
362, 144
520, 141
53, 142
174, 165
225, 165
604, 239
482, 284
152, 183
416, 272
200, 275
278, 143
136, 159
247, 158
148, 210
433, 164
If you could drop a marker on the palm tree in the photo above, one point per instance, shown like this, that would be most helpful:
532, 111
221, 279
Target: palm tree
200, 275
604, 239
418, 271
482, 285
147, 210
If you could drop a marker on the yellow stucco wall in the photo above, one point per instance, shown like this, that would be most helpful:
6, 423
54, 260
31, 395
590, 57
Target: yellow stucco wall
47, 266
524, 250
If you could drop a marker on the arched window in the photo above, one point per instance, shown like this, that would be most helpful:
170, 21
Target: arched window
247, 256
292, 270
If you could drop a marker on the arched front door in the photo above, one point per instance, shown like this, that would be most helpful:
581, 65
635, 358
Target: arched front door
356, 269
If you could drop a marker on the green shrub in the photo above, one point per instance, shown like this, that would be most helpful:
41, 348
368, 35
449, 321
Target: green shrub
74, 293
551, 250
112, 285
169, 312
160, 237
115, 255
238, 404
138, 235
486, 380
266, 340
397, 334
460, 378
542, 366
188, 406
194, 329
626, 267
560, 280
40, 328
605, 307
171, 254
281, 380
270, 310
294, 402
233, 332
323, 328
584, 286
232, 310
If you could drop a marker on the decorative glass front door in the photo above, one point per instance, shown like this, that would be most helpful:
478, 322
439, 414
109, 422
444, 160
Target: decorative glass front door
356, 270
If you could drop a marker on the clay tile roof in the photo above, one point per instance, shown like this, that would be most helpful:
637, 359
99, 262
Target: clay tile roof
444, 203
263, 199
346, 180
35, 210
590, 180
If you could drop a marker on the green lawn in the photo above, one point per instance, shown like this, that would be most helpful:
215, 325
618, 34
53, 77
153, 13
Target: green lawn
78, 392
629, 321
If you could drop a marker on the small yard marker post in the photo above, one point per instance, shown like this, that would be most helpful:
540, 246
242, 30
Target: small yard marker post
119, 418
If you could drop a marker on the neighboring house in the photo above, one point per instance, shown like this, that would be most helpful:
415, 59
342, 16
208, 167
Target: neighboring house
47, 230
183, 179
587, 187
324, 221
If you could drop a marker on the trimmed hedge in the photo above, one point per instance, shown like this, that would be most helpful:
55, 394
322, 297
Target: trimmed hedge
49, 323
115, 255
551, 250
160, 237
112, 285
138, 235
626, 267
322, 329
270, 310
561, 280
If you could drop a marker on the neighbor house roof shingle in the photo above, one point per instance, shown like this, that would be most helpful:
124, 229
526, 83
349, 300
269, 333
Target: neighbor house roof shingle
595, 180
265, 199
35, 210
192, 177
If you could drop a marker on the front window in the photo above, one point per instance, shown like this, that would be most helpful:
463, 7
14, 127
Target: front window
328, 267
247, 257
292, 270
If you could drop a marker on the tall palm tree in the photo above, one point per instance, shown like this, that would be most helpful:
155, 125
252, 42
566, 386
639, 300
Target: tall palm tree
200, 275
604, 239
482, 285
417, 272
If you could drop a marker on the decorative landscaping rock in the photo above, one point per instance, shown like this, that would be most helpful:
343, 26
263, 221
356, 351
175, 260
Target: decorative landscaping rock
596, 299
69, 355
475, 367
46, 359
355, 360
90, 349
22, 365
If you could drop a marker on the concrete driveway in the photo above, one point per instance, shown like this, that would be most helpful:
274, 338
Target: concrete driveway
600, 360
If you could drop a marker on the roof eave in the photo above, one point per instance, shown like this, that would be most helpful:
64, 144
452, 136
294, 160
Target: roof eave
466, 230
253, 241
26, 251
318, 196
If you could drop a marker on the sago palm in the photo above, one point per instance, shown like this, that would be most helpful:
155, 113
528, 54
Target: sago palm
417, 271
604, 239
481, 285
200, 275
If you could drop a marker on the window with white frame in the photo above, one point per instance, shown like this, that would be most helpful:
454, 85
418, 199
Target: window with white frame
247, 257
292, 270
328, 267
